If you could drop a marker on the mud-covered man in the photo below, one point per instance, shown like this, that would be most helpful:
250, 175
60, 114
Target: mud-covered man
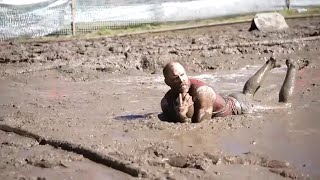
192, 98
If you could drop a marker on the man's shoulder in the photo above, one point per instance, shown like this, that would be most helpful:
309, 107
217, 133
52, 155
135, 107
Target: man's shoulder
197, 82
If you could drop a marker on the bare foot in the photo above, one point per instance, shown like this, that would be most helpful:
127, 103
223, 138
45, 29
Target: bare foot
273, 63
291, 64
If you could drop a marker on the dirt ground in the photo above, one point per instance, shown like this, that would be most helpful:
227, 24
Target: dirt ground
90, 109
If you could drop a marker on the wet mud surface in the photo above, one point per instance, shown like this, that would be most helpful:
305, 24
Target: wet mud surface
25, 158
79, 109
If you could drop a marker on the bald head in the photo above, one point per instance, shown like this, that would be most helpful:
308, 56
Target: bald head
175, 76
171, 67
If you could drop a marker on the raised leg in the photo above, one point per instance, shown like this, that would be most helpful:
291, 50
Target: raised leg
254, 83
287, 88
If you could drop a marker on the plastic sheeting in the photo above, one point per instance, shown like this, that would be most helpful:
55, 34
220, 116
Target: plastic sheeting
21, 19
41, 17
176, 10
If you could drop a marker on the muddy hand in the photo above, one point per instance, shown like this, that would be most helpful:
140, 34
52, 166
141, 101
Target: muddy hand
184, 102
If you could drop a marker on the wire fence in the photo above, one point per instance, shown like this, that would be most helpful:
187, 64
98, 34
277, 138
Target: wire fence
35, 18
32, 20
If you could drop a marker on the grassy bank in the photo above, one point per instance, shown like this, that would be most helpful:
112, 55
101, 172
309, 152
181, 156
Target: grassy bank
177, 25
158, 27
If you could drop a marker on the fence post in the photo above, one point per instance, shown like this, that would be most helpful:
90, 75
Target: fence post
288, 4
73, 18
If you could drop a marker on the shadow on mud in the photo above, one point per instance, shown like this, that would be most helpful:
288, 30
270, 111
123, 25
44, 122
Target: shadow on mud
136, 116
132, 117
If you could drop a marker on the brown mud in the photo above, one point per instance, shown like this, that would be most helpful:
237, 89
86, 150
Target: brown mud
91, 108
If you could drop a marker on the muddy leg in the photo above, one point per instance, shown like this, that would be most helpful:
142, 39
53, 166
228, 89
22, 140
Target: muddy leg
254, 83
288, 84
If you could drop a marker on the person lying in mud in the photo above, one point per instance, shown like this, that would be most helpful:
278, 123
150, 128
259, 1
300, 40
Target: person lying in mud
192, 98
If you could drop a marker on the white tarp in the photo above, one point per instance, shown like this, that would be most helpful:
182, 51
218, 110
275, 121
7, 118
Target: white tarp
183, 10
304, 3
21, 2
40, 17
32, 20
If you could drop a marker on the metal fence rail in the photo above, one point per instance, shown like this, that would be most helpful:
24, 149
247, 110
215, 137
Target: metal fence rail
34, 18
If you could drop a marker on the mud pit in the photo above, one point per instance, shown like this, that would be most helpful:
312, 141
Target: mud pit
79, 107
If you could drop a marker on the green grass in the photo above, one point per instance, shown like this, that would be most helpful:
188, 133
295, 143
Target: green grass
134, 28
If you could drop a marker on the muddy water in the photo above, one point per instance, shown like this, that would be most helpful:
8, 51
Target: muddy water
104, 96
271, 119
280, 140
290, 135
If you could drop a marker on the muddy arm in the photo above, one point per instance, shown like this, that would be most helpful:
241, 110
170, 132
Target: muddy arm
203, 105
201, 113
